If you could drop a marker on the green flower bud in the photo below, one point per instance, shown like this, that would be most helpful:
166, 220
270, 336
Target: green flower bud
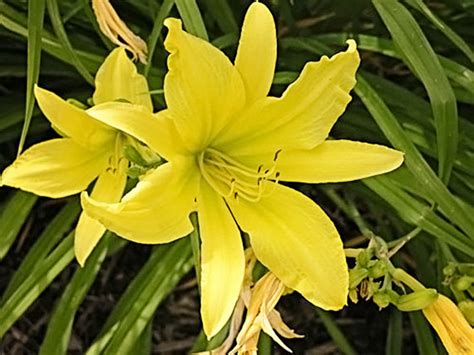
449, 269
364, 257
463, 283
379, 269
417, 300
356, 275
467, 309
382, 299
353, 295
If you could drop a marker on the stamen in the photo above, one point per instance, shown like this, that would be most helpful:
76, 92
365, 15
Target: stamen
230, 177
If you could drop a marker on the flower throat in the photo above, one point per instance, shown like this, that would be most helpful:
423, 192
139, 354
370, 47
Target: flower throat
232, 179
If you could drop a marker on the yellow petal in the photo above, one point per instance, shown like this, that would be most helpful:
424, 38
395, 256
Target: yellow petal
203, 90
295, 240
72, 121
222, 263
303, 116
156, 210
55, 168
452, 328
155, 130
108, 188
117, 79
337, 161
257, 52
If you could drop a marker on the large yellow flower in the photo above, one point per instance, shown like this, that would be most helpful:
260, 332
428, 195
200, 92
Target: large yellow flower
90, 149
227, 145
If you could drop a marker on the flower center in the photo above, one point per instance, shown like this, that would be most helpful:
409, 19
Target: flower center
232, 179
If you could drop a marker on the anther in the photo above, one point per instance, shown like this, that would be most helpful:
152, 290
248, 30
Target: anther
260, 167
275, 157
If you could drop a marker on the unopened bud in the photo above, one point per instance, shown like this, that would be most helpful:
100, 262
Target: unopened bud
382, 299
449, 270
356, 276
467, 309
463, 283
364, 257
379, 269
417, 300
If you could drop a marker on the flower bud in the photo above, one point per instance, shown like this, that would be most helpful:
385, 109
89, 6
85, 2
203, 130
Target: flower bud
364, 257
449, 270
467, 309
379, 269
417, 300
463, 283
382, 299
356, 275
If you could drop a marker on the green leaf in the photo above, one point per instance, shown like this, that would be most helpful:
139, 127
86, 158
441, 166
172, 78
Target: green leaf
56, 21
59, 330
223, 15
192, 19
336, 334
163, 13
415, 162
44, 272
423, 336
160, 275
35, 26
13, 215
51, 236
395, 334
421, 58
443, 27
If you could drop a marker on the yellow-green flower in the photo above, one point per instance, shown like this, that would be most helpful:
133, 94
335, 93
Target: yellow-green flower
88, 150
227, 145
453, 329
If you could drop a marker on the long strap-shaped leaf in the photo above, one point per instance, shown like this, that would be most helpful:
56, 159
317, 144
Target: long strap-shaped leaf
43, 274
60, 324
56, 21
192, 19
421, 58
35, 27
413, 159
166, 266
12, 216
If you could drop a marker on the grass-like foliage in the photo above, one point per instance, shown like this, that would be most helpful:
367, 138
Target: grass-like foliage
414, 92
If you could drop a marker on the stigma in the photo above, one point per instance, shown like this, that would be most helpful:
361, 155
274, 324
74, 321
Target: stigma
232, 179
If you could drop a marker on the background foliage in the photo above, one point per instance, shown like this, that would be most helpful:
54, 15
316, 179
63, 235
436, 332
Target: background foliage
415, 92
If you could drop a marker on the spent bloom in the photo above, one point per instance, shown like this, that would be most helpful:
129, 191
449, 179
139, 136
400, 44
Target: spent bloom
88, 149
227, 145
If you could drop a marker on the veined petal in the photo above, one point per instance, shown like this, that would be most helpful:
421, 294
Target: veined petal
117, 79
303, 116
55, 168
156, 210
157, 131
222, 260
203, 90
337, 161
295, 240
108, 188
257, 52
72, 121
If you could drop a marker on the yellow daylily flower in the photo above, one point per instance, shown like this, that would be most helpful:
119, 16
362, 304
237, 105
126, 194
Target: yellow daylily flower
453, 329
88, 150
227, 144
